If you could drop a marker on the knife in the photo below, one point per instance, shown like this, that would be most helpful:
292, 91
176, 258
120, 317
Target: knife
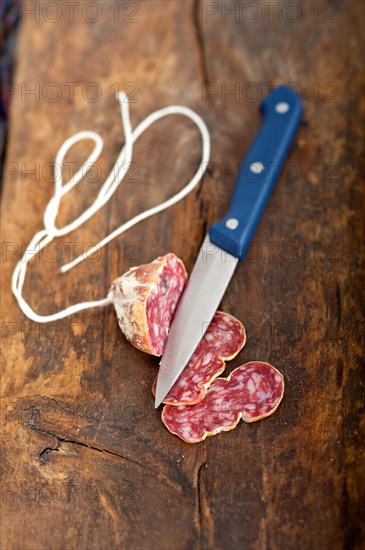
228, 240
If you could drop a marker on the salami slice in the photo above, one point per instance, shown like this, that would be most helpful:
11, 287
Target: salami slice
145, 300
224, 338
253, 391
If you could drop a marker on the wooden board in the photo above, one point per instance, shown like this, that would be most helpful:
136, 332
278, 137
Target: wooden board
87, 462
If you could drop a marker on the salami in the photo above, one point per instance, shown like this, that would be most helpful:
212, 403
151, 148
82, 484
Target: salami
145, 300
224, 338
253, 391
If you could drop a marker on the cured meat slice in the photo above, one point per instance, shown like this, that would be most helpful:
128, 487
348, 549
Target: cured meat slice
253, 391
224, 338
145, 300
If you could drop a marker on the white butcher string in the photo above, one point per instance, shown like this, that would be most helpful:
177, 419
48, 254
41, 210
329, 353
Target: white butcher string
43, 237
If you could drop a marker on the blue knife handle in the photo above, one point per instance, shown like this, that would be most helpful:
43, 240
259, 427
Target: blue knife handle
258, 173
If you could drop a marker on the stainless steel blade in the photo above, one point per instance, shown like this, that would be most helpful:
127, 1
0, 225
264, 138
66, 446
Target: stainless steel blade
204, 291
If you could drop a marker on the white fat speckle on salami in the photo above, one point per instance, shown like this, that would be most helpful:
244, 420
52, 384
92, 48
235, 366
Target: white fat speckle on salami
253, 391
145, 300
224, 338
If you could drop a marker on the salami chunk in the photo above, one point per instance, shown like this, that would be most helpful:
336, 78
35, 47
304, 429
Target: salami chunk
253, 391
145, 300
224, 338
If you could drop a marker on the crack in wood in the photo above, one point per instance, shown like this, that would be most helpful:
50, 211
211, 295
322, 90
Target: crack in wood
43, 454
200, 41
203, 211
61, 439
203, 207
199, 490
200, 504
338, 304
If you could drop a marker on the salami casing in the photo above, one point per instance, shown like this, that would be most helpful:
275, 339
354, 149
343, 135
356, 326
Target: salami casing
224, 338
145, 300
253, 391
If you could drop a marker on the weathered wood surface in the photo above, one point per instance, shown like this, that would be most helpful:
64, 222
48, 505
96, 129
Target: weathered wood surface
87, 462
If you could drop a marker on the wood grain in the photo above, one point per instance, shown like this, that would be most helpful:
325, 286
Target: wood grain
86, 461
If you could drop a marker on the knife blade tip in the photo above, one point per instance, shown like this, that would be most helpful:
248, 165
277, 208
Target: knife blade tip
158, 401
159, 397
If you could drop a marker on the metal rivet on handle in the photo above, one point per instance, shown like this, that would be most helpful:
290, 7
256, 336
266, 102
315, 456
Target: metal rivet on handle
256, 167
282, 107
232, 223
